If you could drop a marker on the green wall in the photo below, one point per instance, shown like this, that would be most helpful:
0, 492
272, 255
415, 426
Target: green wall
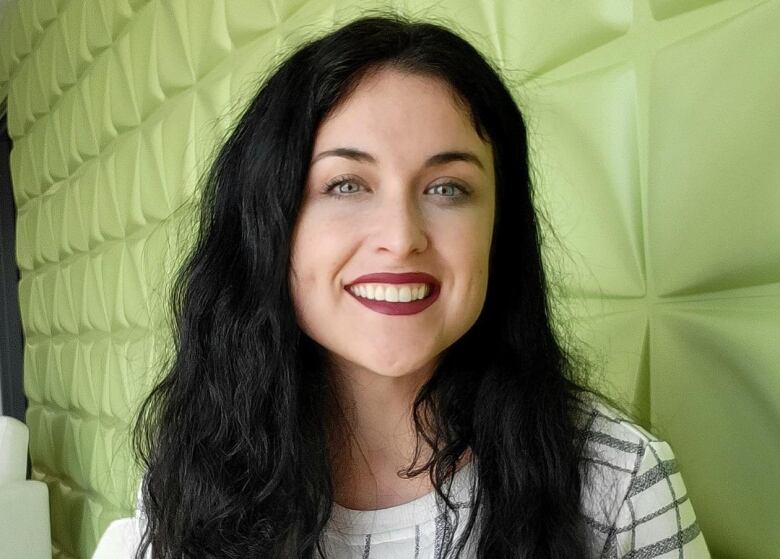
655, 135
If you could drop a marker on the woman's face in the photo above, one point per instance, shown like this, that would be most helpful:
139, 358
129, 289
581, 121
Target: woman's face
401, 207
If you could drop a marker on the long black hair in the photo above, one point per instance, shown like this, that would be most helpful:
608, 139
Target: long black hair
233, 438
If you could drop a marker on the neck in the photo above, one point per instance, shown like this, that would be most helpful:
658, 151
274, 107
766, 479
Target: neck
373, 438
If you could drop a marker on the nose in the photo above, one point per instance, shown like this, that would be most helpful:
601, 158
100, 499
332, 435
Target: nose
401, 229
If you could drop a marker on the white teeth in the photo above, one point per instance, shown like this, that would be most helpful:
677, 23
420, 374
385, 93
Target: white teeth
391, 292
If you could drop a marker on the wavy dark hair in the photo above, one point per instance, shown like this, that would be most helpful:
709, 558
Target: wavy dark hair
234, 436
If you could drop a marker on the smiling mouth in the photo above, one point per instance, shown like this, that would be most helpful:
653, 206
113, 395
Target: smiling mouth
407, 293
401, 307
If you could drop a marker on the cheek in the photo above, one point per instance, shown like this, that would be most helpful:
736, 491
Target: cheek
301, 264
316, 249
303, 288
467, 255
475, 252
309, 236
468, 246
305, 274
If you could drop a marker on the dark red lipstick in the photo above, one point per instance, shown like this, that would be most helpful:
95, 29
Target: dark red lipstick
387, 307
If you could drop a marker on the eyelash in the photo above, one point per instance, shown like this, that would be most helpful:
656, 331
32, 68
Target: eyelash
333, 183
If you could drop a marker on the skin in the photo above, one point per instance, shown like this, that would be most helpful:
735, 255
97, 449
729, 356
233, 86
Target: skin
390, 217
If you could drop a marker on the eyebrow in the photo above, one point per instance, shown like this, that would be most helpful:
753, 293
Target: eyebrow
437, 159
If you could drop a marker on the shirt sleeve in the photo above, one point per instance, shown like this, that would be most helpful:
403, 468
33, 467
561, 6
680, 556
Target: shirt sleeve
656, 518
123, 536
119, 541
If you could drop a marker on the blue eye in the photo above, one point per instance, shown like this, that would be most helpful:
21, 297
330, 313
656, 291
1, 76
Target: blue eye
453, 186
451, 190
338, 182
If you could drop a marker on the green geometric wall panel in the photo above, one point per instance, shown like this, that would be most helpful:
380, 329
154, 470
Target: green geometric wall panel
654, 128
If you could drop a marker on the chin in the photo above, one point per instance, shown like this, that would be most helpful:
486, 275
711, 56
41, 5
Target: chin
395, 373
400, 370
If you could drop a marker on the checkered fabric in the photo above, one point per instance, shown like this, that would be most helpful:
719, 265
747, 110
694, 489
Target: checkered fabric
635, 502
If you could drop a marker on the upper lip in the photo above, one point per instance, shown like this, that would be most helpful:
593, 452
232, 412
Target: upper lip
388, 277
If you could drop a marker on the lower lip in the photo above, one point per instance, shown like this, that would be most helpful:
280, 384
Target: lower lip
412, 307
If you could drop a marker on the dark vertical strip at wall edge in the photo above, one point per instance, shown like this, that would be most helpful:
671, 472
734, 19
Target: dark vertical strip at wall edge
12, 398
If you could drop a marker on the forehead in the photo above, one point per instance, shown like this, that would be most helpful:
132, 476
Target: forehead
403, 110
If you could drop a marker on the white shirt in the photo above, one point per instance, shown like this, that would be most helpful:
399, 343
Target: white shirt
636, 503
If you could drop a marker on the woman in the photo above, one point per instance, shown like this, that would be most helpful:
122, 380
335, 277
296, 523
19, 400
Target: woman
364, 360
